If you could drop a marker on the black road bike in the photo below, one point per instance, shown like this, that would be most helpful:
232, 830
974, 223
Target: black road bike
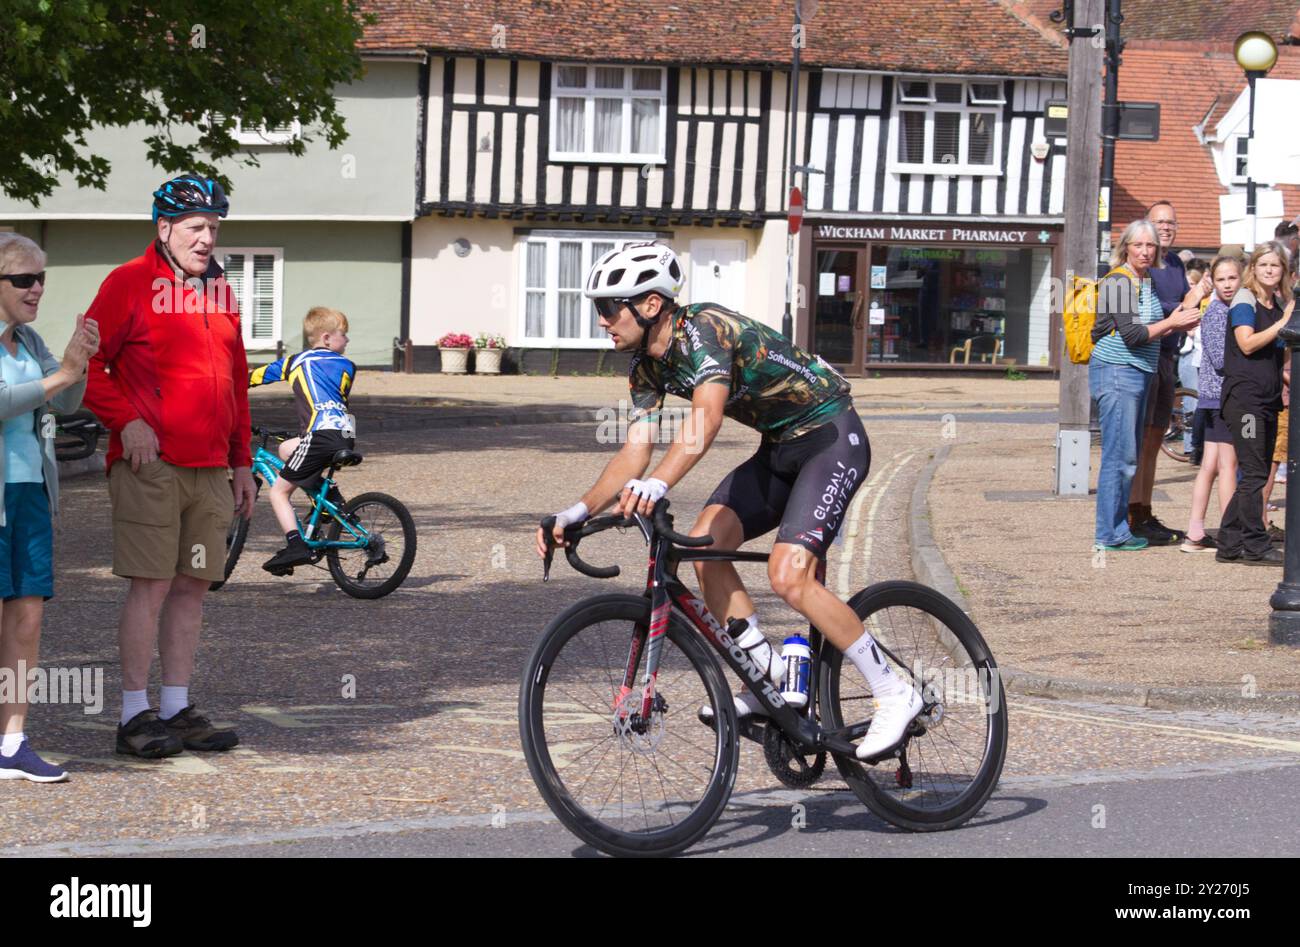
611, 699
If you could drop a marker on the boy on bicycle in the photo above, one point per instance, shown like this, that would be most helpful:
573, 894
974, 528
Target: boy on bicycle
813, 457
321, 379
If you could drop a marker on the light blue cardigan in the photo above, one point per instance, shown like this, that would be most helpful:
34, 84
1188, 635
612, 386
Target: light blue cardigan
29, 398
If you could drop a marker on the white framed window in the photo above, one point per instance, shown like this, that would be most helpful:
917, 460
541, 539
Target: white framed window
1239, 155
261, 134
256, 275
946, 126
608, 113
552, 267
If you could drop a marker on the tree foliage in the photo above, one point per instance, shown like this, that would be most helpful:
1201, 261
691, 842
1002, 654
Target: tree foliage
69, 65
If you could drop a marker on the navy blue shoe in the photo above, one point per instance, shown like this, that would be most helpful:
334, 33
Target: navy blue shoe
25, 764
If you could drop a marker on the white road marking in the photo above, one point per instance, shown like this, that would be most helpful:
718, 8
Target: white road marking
1191, 733
873, 484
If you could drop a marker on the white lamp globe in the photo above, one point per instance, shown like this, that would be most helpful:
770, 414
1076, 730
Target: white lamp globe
1255, 51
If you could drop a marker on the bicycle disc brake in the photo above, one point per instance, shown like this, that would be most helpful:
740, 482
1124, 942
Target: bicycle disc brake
791, 767
635, 732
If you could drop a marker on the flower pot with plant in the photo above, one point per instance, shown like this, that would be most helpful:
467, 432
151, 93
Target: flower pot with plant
487, 357
454, 350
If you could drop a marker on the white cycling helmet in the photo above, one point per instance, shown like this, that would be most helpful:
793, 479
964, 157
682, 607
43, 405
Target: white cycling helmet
636, 269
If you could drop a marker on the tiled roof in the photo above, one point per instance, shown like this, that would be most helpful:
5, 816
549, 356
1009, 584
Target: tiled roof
941, 36
1193, 20
1185, 82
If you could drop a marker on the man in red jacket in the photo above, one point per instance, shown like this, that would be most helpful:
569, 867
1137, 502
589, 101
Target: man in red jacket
170, 381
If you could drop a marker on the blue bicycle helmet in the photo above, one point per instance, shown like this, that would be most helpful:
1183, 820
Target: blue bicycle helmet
190, 194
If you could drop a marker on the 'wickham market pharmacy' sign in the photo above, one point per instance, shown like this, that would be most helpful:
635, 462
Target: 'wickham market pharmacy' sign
934, 234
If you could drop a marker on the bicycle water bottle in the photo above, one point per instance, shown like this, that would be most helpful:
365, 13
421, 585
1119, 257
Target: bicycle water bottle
797, 657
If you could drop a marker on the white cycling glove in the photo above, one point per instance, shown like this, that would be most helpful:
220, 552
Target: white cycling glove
574, 514
651, 489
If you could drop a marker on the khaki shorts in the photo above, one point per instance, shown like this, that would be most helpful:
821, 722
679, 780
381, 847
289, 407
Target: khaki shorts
169, 519
1279, 451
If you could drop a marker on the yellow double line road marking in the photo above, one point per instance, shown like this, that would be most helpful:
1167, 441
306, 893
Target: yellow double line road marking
1186, 733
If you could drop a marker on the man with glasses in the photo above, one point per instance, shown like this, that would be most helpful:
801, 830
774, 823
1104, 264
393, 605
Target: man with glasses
170, 381
1170, 284
811, 460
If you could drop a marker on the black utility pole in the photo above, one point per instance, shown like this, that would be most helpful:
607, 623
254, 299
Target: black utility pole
1109, 131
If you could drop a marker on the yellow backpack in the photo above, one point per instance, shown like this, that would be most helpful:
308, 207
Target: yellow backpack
1081, 316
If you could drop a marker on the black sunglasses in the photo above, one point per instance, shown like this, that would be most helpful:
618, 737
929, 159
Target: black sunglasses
25, 280
608, 307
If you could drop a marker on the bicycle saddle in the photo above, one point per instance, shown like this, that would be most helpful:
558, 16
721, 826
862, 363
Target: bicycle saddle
346, 458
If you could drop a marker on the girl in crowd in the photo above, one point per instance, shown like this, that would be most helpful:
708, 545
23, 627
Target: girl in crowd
1251, 400
1218, 460
1120, 372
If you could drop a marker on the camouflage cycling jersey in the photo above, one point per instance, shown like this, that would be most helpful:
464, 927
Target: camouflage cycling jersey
776, 388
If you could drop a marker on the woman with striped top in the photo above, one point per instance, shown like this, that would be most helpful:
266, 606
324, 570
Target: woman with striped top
1120, 372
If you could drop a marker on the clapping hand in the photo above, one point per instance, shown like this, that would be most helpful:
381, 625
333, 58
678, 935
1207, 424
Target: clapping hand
83, 344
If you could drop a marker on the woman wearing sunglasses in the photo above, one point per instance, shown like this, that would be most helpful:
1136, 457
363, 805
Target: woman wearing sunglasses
31, 382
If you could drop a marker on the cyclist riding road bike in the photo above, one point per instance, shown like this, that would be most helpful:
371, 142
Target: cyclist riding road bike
813, 456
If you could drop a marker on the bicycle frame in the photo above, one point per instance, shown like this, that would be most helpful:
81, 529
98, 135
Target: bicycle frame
268, 466
665, 590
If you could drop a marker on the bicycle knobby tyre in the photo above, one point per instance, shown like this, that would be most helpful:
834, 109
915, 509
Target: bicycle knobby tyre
236, 536
567, 710
337, 567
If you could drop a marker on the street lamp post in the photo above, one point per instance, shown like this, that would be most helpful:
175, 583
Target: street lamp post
1255, 53
787, 318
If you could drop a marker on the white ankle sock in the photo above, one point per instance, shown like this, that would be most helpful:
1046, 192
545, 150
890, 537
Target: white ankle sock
174, 700
133, 702
12, 741
761, 651
868, 659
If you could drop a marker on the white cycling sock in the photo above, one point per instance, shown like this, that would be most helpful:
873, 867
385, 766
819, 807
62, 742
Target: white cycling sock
12, 741
174, 700
133, 702
868, 659
761, 650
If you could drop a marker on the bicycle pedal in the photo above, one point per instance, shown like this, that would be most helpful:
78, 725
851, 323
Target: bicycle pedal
752, 727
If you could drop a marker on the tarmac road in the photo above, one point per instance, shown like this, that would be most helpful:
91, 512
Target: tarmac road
430, 731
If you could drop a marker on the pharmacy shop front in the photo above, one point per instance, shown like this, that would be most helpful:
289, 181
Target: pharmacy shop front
930, 295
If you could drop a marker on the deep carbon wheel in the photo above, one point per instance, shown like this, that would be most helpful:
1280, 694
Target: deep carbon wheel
382, 566
627, 785
952, 762
236, 536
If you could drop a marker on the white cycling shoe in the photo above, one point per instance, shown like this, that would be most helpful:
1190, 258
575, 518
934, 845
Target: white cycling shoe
747, 705
890, 721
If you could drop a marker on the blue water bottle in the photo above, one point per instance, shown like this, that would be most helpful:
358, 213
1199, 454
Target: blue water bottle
798, 659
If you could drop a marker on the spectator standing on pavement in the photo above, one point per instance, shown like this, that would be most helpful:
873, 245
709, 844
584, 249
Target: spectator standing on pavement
1189, 364
1122, 370
170, 382
1170, 283
1251, 400
30, 379
1219, 460
1287, 233
1277, 472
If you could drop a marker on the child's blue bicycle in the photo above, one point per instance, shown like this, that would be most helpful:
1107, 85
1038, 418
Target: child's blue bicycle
368, 542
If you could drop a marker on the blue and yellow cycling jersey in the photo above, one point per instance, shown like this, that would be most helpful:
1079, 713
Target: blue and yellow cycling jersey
321, 380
